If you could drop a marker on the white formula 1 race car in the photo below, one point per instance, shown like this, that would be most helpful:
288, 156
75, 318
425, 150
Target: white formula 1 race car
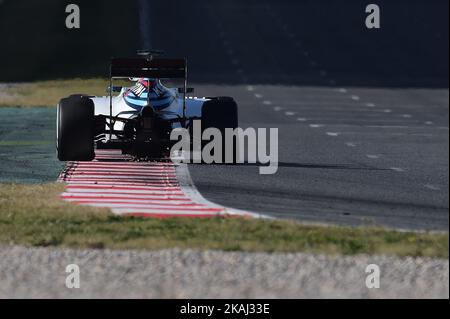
140, 118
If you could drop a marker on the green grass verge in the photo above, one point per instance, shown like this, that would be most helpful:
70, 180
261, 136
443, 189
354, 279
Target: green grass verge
33, 215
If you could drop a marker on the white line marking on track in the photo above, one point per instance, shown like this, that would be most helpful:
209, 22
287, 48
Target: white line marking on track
301, 119
164, 211
101, 169
267, 102
432, 187
161, 192
120, 177
390, 126
139, 201
258, 96
350, 144
397, 169
387, 133
370, 104
158, 196
160, 207
277, 108
332, 134
372, 156
355, 97
288, 113
316, 125
118, 186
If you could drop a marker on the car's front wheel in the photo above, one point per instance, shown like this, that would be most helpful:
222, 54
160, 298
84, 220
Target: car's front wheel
75, 129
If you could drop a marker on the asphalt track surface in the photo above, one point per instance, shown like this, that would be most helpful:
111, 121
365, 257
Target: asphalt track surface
362, 114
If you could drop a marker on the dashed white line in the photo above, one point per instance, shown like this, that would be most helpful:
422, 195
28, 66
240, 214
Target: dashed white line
355, 97
407, 116
397, 169
372, 156
301, 119
258, 96
342, 90
370, 104
432, 187
332, 133
350, 144
288, 113
277, 108
267, 102
390, 126
316, 125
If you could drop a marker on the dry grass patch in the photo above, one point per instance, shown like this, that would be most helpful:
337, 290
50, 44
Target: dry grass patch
48, 93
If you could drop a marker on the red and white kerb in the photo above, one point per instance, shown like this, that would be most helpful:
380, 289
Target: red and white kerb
149, 189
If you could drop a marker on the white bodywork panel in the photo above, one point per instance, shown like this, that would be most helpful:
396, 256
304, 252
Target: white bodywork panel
121, 108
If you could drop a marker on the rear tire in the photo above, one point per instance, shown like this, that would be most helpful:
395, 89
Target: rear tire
221, 113
75, 129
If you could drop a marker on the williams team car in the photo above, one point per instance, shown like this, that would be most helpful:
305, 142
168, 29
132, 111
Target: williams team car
139, 119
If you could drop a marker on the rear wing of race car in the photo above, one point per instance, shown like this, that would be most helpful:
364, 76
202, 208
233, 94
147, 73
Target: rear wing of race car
148, 67
161, 68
